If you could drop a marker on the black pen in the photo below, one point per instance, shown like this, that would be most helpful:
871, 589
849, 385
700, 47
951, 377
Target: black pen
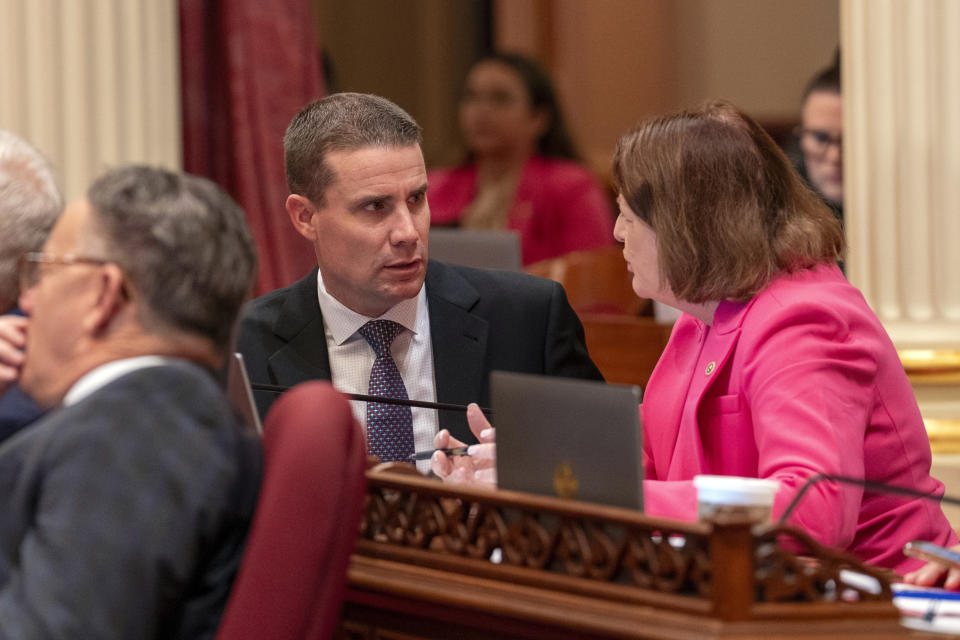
426, 455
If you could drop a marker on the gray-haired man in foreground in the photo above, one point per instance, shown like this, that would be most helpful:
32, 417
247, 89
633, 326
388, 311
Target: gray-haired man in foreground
126, 507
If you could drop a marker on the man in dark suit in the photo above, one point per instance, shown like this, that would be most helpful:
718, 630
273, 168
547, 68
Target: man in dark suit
30, 204
359, 193
126, 507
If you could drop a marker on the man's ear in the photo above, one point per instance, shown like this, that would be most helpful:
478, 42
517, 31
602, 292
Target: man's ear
111, 297
301, 212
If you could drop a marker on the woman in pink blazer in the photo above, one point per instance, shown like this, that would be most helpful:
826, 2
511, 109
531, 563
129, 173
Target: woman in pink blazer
522, 171
777, 368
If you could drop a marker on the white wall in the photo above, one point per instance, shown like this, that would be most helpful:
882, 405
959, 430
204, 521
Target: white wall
92, 83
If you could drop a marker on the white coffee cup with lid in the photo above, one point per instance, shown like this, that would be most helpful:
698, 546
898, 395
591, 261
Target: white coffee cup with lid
734, 498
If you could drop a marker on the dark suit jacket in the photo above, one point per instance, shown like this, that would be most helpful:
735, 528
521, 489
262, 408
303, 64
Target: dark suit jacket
480, 321
125, 514
17, 410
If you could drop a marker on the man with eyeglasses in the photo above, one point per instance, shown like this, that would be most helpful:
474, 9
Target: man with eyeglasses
30, 204
821, 137
126, 507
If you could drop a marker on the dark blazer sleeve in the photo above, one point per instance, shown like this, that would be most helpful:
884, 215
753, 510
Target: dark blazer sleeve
530, 326
282, 340
565, 349
483, 321
257, 342
17, 410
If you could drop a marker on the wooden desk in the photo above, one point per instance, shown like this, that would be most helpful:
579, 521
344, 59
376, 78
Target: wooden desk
575, 570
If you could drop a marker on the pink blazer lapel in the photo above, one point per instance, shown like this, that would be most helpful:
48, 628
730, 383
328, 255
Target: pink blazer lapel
661, 417
694, 364
689, 459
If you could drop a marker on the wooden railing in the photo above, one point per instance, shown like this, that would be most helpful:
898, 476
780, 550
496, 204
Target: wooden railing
436, 562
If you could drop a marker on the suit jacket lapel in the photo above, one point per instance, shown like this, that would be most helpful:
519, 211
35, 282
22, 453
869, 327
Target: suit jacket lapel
300, 325
459, 342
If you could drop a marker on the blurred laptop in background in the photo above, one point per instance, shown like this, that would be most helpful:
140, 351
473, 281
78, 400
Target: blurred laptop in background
480, 248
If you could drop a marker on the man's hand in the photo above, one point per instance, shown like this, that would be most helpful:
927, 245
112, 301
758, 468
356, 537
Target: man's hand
13, 340
478, 468
932, 572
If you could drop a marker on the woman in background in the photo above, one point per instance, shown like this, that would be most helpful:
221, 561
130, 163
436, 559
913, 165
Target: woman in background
522, 172
777, 368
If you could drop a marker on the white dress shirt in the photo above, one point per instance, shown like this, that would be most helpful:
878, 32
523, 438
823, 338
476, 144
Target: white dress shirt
351, 358
106, 373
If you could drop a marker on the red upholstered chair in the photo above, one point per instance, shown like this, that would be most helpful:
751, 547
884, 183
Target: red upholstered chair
293, 575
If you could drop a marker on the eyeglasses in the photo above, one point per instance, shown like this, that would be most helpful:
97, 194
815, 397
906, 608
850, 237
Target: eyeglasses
29, 267
818, 142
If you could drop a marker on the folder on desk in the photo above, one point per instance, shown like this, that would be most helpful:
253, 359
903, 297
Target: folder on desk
577, 439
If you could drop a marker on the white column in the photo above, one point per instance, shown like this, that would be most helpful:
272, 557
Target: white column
901, 87
92, 83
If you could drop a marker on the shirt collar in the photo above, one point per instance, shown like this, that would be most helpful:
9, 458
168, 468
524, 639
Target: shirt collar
344, 322
106, 373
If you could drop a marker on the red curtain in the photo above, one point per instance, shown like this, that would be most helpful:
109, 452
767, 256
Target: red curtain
247, 67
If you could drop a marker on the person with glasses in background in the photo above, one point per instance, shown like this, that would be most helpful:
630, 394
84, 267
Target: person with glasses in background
820, 137
30, 204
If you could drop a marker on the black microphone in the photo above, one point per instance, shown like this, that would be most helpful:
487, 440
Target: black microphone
423, 404
872, 485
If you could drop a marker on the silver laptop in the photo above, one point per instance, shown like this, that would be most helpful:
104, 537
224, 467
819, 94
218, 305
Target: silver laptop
577, 439
481, 248
240, 394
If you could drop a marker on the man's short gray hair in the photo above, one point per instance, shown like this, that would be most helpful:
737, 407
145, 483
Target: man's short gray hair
340, 122
183, 244
30, 204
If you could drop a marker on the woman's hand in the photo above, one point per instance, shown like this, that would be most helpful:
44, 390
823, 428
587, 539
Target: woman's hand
932, 572
478, 468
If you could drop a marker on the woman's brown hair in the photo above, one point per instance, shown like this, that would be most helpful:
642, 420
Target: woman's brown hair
729, 211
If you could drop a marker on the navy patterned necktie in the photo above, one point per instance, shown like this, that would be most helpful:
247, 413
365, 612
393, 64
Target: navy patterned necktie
389, 426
